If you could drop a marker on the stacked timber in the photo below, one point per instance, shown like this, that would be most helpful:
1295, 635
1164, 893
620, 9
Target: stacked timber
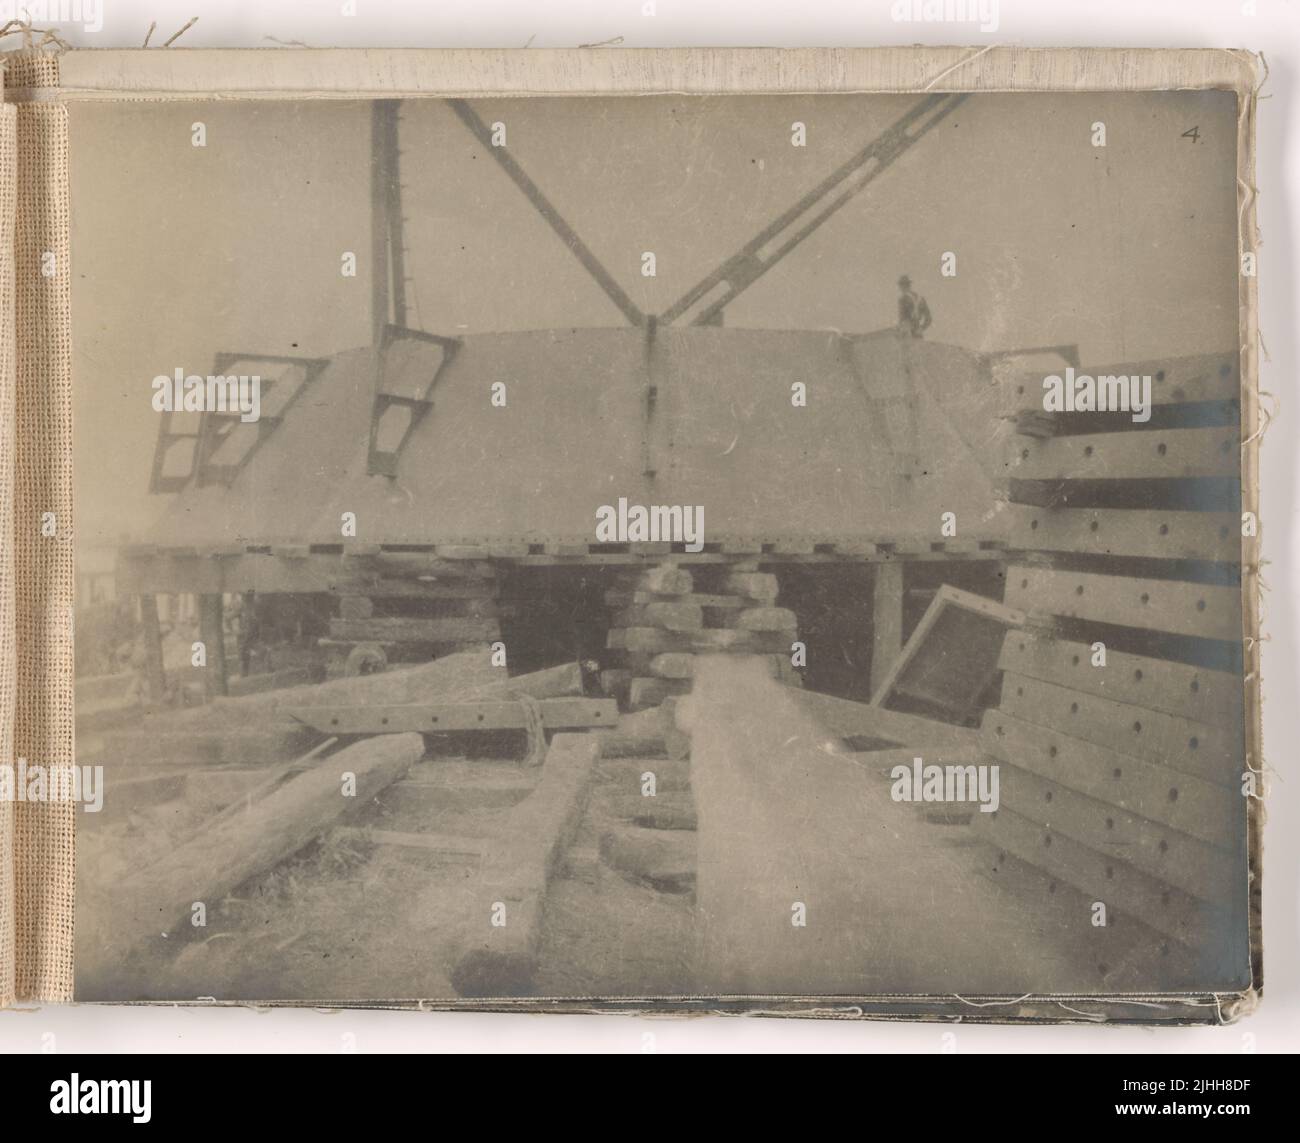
655, 621
393, 617
771, 630
641, 823
1121, 733
660, 621
503, 822
262, 729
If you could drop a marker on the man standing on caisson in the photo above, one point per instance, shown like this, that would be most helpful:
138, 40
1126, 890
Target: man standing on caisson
913, 311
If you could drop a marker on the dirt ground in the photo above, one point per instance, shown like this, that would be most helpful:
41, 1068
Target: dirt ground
894, 904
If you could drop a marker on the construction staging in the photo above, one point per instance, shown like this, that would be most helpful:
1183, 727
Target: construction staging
582, 769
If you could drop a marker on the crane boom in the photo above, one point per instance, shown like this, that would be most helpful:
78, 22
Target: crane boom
553, 218
706, 300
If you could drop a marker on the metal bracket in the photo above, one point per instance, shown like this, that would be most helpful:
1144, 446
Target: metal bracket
403, 393
217, 430
210, 428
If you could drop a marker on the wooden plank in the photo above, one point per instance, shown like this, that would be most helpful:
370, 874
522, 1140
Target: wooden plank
156, 899
274, 779
971, 676
638, 735
665, 860
1174, 380
763, 587
616, 681
1156, 684
1164, 535
424, 587
672, 665
212, 632
439, 844
669, 616
1126, 955
665, 809
765, 619
316, 572
724, 639
426, 718
886, 622
408, 630
254, 726
466, 785
1207, 872
151, 633
413, 564
681, 665
467, 676
1164, 418
625, 597
707, 640
1122, 887
651, 640
628, 775
165, 573
664, 579
1201, 610
675, 725
884, 761
1132, 455
845, 718
1182, 802
1213, 752
502, 958
643, 693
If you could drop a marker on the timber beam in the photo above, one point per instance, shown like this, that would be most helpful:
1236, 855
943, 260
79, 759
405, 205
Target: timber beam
328, 570
429, 718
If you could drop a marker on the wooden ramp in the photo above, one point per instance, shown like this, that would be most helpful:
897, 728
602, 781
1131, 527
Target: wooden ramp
813, 880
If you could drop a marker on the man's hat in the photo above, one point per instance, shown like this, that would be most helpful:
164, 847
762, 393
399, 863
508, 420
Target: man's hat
904, 281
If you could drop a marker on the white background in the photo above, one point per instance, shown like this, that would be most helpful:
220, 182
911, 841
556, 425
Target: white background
1270, 25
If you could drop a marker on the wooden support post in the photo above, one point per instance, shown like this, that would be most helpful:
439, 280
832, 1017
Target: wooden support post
155, 679
886, 620
212, 632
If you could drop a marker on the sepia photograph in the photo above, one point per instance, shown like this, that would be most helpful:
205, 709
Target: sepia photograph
743, 548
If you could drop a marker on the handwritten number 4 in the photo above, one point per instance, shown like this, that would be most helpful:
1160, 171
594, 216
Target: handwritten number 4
1192, 133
